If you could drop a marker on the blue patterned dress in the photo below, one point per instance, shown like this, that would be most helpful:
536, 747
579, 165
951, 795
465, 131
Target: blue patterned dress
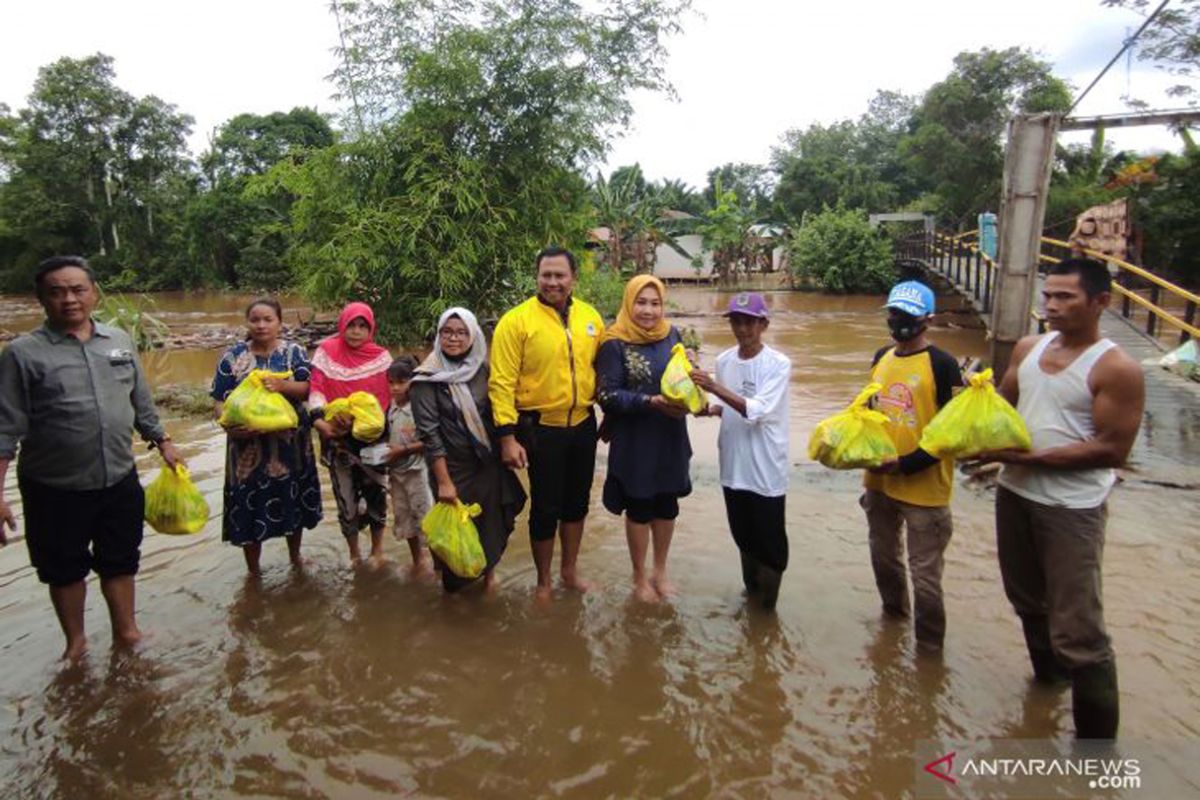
649, 453
271, 483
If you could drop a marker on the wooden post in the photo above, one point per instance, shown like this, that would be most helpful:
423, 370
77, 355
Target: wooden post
1027, 165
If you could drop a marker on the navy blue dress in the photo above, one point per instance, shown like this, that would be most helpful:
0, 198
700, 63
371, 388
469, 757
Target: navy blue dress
649, 452
271, 483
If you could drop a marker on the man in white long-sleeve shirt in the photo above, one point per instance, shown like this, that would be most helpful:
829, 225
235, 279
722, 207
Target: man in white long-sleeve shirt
750, 388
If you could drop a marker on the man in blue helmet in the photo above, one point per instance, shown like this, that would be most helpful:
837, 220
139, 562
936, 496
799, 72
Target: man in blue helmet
911, 494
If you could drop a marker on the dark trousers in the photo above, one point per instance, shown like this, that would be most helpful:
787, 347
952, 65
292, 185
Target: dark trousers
1050, 560
72, 532
562, 466
758, 527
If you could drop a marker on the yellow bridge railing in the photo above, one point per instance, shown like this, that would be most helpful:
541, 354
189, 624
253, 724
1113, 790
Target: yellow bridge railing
1167, 307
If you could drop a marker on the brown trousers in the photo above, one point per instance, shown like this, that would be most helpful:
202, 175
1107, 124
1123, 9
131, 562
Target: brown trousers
1050, 559
928, 533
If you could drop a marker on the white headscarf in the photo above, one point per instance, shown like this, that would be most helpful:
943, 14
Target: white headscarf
455, 373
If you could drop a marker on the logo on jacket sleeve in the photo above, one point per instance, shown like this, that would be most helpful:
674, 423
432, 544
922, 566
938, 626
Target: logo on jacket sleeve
591, 329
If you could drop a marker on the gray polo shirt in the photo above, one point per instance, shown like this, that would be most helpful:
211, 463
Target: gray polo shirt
72, 407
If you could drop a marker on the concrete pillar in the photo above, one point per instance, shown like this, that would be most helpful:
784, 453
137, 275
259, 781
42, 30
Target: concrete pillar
1027, 164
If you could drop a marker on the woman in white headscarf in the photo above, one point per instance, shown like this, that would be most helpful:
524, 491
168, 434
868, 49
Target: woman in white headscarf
454, 420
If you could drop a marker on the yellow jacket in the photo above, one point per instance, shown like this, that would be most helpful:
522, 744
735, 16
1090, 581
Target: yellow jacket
539, 364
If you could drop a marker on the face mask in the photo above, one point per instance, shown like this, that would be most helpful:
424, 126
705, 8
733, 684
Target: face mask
905, 328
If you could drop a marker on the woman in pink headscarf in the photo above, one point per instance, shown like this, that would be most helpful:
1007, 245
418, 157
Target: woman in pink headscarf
349, 362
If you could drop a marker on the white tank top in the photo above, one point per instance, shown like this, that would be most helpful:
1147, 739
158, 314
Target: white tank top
1058, 411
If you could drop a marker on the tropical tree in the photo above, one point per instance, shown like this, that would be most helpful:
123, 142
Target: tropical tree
751, 184
1169, 212
478, 119
250, 144
1079, 181
241, 240
676, 195
957, 128
637, 216
1171, 42
856, 163
726, 231
90, 169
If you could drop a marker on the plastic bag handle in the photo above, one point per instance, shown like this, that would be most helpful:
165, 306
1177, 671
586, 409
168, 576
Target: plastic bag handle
256, 376
982, 380
464, 511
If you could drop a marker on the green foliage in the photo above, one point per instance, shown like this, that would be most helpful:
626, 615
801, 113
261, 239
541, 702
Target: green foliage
1170, 214
635, 214
675, 195
751, 184
1171, 42
726, 232
839, 250
553, 75
250, 144
403, 222
1077, 183
854, 163
91, 169
476, 120
241, 238
603, 288
134, 316
955, 140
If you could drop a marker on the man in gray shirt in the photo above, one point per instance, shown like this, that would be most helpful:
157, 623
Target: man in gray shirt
71, 394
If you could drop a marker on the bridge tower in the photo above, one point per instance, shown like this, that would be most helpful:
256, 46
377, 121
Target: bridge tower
1027, 164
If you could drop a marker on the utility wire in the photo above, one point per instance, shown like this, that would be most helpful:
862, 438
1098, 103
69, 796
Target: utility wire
1128, 43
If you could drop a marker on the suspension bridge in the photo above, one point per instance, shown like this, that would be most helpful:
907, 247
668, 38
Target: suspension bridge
1149, 316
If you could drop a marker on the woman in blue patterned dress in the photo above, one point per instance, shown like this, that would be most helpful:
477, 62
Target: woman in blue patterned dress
649, 452
271, 484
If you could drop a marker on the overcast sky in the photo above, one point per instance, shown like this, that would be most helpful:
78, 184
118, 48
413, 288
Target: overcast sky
745, 70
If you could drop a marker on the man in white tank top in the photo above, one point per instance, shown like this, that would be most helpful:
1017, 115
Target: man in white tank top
1081, 397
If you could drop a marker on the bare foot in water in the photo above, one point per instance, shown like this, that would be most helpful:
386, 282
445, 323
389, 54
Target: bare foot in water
643, 591
422, 569
572, 581
664, 587
75, 650
375, 561
128, 638
543, 594
489, 582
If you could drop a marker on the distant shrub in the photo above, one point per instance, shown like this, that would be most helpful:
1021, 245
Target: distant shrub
603, 288
840, 251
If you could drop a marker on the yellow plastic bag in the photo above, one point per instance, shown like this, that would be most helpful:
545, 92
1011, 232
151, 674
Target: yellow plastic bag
853, 438
368, 415
255, 407
976, 420
453, 538
676, 383
173, 503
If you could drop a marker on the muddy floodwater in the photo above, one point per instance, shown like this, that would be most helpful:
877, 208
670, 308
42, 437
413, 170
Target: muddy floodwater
343, 684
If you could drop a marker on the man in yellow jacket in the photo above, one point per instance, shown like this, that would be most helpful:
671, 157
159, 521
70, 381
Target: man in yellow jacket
541, 388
